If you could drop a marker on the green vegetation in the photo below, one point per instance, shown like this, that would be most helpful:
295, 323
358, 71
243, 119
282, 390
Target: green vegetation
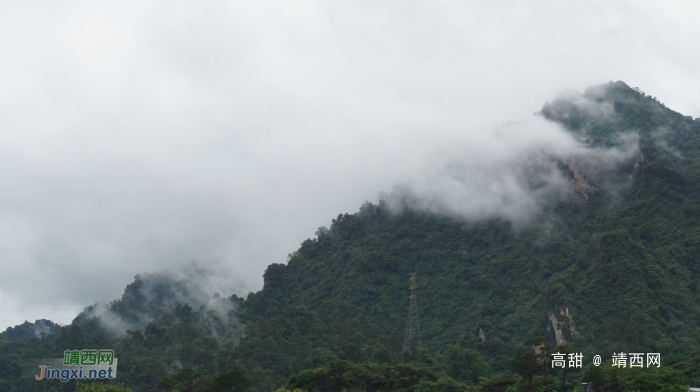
98, 387
617, 271
342, 375
663, 379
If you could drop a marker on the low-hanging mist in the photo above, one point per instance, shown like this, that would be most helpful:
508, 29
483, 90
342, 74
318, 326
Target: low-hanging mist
512, 170
155, 296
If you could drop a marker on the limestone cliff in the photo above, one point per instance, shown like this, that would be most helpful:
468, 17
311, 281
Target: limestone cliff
563, 324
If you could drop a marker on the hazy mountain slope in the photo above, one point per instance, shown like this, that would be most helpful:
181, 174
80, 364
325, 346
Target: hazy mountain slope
36, 329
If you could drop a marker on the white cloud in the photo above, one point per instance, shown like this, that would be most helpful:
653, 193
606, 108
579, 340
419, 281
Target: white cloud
511, 172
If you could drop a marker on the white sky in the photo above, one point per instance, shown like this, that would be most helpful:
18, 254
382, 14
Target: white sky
140, 136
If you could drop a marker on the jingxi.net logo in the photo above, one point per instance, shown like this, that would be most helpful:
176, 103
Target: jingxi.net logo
76, 364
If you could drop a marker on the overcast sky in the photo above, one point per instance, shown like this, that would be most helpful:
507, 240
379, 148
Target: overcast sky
142, 136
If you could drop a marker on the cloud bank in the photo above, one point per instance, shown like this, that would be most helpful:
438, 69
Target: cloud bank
510, 172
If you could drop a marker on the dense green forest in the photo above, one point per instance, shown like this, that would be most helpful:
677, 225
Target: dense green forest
609, 268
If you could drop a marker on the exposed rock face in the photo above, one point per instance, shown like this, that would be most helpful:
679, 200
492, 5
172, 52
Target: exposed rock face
581, 183
539, 349
563, 324
482, 335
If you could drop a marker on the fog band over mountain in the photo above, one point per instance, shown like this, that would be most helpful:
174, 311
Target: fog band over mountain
510, 171
153, 296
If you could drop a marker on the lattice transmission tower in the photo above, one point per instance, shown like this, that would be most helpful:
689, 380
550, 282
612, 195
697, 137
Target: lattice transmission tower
411, 340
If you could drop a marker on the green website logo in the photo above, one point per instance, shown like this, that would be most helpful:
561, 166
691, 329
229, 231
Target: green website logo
75, 364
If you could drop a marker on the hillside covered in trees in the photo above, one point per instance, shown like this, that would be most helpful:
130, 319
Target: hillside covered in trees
609, 264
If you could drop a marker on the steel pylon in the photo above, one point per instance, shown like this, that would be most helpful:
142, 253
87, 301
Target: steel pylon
411, 341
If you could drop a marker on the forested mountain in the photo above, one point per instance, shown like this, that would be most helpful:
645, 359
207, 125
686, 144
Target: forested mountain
608, 265
623, 266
